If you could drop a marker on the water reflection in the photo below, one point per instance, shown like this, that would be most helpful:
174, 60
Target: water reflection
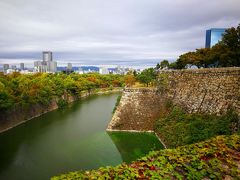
132, 146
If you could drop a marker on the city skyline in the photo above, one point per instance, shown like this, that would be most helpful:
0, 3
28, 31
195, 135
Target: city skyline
136, 33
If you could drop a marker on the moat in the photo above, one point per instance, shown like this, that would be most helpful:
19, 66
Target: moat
70, 139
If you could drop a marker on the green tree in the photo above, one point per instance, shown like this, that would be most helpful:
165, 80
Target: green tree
157, 66
164, 64
6, 100
231, 45
25, 90
147, 76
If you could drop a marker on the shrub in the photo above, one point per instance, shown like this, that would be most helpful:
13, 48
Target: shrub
117, 103
180, 128
62, 103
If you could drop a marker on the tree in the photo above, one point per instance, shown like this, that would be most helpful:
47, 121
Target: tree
157, 66
129, 79
173, 65
231, 45
6, 100
164, 64
147, 76
135, 73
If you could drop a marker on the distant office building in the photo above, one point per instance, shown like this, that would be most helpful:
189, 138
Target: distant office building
69, 66
5, 67
14, 67
10, 71
68, 69
103, 70
37, 63
120, 70
51, 66
21, 66
40, 66
213, 36
47, 56
47, 64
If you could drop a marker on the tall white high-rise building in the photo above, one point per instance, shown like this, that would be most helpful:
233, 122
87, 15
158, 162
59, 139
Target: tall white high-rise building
47, 56
21, 66
47, 64
51, 66
5, 68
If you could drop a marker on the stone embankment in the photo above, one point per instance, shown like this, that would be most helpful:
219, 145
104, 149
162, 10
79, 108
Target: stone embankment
211, 91
137, 110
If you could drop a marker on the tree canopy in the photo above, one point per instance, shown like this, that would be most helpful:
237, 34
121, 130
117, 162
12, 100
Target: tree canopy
24, 90
147, 76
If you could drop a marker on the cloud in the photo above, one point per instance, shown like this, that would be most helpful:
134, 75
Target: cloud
109, 31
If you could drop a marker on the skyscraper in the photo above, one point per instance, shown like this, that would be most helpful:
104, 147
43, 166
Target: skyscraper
5, 68
14, 67
69, 66
21, 66
47, 56
213, 36
47, 64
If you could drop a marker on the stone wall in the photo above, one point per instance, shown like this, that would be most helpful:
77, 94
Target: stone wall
21, 114
137, 110
203, 90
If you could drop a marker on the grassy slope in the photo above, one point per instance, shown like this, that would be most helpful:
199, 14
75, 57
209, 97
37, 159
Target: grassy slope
178, 128
216, 158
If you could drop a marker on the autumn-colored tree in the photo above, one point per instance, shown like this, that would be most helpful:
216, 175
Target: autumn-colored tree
130, 80
25, 90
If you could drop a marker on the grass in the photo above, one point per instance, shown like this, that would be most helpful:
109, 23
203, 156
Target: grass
177, 128
117, 103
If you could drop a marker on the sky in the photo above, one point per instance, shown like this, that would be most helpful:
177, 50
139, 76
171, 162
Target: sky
109, 32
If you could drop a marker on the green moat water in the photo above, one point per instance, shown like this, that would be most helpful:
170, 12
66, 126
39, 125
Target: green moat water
69, 139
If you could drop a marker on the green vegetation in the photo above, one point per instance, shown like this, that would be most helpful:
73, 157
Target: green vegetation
131, 146
117, 103
162, 82
179, 128
217, 158
25, 90
147, 76
163, 64
61, 103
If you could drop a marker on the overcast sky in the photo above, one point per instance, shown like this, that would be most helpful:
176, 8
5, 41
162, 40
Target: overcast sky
103, 32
